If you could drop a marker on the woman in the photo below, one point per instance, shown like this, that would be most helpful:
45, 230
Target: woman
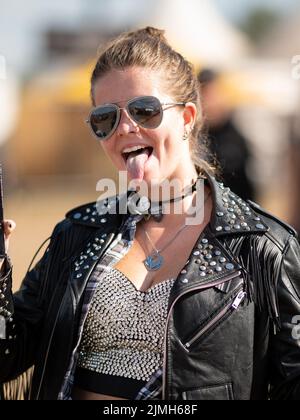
145, 305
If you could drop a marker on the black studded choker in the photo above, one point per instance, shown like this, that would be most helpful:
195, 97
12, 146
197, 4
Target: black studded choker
143, 206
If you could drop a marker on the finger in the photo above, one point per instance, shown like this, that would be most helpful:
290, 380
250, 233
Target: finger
9, 227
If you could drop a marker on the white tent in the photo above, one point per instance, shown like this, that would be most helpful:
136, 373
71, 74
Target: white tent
197, 30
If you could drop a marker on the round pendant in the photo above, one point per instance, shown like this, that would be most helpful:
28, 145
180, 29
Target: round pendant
153, 262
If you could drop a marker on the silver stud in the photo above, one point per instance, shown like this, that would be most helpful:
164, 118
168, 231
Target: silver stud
196, 253
217, 253
86, 267
85, 218
184, 281
79, 275
202, 268
203, 274
183, 271
220, 214
229, 266
237, 227
260, 226
93, 220
88, 210
219, 228
7, 351
257, 219
103, 220
204, 241
222, 260
212, 263
218, 268
77, 216
227, 228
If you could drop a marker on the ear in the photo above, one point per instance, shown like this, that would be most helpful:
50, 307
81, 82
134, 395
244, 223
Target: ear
189, 116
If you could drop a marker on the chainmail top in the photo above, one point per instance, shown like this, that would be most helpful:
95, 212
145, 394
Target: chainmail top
124, 330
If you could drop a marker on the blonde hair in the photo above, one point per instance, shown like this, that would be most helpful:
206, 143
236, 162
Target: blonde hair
148, 48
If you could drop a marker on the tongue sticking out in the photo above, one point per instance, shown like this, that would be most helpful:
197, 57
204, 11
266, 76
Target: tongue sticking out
136, 164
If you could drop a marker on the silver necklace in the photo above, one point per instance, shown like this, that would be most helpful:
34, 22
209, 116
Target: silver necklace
155, 260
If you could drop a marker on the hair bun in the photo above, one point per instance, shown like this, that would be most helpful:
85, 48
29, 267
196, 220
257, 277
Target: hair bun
149, 31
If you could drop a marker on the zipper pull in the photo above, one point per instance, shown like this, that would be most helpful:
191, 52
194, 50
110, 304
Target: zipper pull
238, 300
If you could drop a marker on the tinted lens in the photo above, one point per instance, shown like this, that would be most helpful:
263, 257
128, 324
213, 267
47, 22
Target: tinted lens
103, 121
146, 111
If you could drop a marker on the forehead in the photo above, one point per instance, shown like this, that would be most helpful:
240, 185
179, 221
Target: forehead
121, 85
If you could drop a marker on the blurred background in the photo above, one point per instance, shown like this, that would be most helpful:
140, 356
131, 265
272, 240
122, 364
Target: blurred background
247, 55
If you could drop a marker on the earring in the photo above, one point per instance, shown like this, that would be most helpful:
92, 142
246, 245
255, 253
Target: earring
186, 135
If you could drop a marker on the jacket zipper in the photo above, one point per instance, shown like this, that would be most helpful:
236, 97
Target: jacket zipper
52, 332
231, 307
203, 286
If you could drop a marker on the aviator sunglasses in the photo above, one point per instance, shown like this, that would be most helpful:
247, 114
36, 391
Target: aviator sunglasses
146, 111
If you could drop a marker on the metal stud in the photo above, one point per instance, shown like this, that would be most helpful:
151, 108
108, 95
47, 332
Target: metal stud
77, 216
185, 281
103, 220
219, 228
260, 226
229, 266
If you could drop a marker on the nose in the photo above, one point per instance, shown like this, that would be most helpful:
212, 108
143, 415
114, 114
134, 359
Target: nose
126, 124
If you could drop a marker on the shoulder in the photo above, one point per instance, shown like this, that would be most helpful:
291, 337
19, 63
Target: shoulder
279, 231
101, 213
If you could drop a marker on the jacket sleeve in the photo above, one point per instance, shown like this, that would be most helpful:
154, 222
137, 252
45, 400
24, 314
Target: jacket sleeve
21, 317
285, 344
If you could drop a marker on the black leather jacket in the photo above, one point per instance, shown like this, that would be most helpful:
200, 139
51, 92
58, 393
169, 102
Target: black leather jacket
232, 323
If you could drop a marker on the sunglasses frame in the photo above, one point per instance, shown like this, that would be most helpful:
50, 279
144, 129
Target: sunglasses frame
118, 116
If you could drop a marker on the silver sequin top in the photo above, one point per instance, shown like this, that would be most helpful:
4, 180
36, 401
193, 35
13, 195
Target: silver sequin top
123, 332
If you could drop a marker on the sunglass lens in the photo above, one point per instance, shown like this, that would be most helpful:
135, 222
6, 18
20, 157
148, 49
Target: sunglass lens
146, 111
103, 121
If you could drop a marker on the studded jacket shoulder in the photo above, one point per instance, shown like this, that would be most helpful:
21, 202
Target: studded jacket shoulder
231, 329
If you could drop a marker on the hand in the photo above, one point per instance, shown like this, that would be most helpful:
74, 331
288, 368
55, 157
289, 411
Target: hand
9, 227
